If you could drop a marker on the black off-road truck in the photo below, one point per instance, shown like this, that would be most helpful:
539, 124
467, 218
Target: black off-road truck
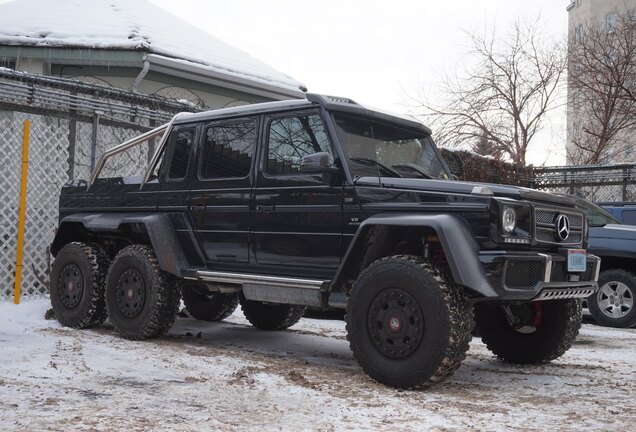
323, 203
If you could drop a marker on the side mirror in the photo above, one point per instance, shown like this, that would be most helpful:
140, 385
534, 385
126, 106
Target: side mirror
315, 163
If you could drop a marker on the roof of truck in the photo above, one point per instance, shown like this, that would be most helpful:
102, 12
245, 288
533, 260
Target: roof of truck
332, 103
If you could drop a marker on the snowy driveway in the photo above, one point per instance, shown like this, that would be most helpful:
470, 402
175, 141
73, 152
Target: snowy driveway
235, 377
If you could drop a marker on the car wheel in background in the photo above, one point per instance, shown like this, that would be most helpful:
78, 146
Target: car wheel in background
613, 304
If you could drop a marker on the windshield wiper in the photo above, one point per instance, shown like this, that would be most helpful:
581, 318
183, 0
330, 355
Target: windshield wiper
416, 168
370, 162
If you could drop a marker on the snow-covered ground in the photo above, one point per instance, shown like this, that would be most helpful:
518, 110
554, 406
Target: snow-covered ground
230, 376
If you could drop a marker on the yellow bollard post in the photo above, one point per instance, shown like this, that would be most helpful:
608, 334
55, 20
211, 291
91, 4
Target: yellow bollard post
22, 213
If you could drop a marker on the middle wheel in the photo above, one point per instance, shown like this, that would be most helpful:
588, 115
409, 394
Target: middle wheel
141, 299
208, 306
267, 316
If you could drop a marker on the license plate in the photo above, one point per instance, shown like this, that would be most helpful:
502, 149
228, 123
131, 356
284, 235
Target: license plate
576, 260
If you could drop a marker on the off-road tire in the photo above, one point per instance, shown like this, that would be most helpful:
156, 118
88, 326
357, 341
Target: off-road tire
151, 308
77, 285
621, 282
209, 306
406, 295
560, 321
271, 316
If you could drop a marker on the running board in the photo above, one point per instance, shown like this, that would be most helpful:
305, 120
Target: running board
273, 289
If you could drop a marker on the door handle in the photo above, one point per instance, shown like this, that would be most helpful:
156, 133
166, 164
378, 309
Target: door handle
197, 207
265, 208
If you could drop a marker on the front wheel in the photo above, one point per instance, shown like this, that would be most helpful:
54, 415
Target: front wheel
407, 324
613, 304
531, 332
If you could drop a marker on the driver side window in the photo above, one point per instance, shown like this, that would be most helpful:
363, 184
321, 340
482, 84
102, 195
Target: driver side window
291, 138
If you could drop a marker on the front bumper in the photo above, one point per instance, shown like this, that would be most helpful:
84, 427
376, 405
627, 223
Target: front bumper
538, 276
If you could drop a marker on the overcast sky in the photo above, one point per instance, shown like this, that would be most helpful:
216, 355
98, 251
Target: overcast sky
370, 50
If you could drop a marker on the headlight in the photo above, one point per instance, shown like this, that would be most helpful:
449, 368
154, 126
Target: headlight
509, 220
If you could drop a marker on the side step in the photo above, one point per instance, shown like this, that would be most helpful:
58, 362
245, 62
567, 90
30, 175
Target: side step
273, 289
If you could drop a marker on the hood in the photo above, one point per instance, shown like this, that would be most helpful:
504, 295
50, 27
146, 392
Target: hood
614, 231
460, 187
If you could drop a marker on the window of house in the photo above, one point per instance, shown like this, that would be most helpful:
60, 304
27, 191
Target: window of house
610, 22
181, 154
228, 150
578, 33
7, 63
291, 138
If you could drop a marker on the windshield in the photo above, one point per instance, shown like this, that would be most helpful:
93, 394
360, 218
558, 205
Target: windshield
596, 216
377, 149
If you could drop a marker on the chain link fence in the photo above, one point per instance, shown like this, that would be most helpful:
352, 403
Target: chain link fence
71, 124
595, 182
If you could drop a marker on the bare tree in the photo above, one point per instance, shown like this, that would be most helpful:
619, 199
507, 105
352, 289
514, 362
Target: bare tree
504, 98
601, 85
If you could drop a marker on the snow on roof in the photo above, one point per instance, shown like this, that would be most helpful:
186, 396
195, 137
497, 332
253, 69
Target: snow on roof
128, 25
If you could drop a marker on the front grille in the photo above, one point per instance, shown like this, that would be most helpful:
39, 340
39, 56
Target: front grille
546, 229
524, 274
527, 273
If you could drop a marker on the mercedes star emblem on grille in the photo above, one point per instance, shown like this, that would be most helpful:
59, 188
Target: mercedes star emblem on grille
563, 227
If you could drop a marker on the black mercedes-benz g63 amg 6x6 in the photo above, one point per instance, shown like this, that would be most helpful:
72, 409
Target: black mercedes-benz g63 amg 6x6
324, 203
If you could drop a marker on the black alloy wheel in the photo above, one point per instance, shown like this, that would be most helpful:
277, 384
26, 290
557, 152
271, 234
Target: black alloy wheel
142, 300
77, 285
530, 332
408, 324
131, 293
396, 323
70, 285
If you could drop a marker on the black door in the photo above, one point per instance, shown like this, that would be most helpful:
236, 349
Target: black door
298, 217
221, 188
175, 172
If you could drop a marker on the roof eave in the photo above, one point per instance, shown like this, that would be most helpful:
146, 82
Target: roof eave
201, 73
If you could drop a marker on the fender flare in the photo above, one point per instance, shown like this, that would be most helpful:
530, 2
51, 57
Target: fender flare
458, 242
158, 226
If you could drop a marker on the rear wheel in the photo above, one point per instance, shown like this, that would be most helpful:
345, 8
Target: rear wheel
613, 304
407, 324
209, 306
267, 316
141, 299
531, 332
77, 285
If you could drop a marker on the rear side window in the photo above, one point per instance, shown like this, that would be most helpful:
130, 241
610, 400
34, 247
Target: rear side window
181, 154
629, 217
228, 150
291, 138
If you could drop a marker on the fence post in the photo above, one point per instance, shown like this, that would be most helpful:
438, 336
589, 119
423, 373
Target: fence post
94, 138
72, 136
625, 177
22, 213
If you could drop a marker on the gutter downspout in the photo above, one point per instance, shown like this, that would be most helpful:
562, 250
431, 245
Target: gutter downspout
142, 74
